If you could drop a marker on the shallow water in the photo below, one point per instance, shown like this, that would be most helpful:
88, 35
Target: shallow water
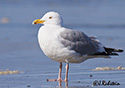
19, 49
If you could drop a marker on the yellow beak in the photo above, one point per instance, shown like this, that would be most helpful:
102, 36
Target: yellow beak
38, 21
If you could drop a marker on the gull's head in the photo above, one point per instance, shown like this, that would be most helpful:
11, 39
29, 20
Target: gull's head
50, 18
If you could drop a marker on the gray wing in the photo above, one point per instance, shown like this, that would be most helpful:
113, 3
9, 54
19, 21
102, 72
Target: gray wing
79, 42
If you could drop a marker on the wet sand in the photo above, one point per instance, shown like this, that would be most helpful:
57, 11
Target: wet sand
19, 49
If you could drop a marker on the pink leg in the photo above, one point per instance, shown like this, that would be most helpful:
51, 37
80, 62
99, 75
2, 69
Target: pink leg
66, 76
59, 76
60, 71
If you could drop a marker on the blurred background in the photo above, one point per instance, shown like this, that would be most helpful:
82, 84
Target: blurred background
19, 49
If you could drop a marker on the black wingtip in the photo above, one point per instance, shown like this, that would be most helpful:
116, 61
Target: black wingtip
121, 50
112, 50
105, 53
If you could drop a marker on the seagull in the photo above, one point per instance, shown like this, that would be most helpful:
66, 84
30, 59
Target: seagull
69, 46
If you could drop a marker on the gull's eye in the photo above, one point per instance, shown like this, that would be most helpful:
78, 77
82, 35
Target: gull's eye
50, 17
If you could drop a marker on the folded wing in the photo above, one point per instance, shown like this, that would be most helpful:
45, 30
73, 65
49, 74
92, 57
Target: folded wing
80, 42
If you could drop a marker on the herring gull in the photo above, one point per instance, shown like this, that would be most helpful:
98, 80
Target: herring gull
69, 46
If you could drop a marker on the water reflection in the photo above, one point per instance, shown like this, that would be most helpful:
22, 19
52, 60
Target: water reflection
60, 84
